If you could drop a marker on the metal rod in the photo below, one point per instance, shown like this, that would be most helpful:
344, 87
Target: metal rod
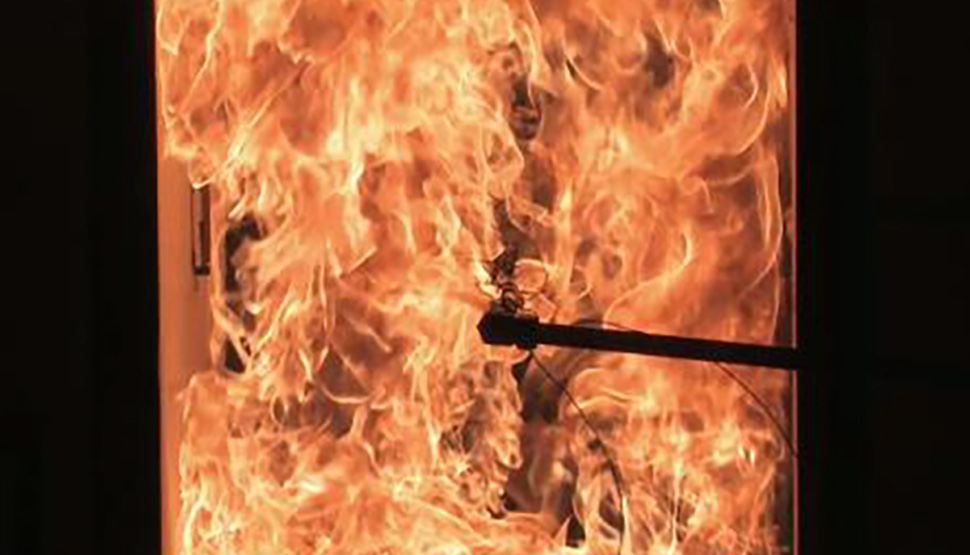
527, 333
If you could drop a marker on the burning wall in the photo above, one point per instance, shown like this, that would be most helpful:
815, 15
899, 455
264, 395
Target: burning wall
398, 163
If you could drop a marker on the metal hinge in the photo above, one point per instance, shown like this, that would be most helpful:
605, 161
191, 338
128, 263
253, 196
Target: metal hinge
201, 244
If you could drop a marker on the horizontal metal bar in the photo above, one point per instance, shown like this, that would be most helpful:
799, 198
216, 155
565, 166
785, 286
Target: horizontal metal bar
527, 333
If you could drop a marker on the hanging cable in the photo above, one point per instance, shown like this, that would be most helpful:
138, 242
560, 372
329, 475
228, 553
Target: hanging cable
762, 405
598, 443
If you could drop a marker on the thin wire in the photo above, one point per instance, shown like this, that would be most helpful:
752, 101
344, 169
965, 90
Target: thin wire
600, 444
763, 406
730, 374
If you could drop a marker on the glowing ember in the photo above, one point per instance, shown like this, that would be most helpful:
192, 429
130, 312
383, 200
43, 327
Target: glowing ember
405, 162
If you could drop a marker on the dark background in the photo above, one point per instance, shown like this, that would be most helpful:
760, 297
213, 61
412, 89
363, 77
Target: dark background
883, 293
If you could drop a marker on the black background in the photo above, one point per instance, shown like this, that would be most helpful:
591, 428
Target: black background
883, 281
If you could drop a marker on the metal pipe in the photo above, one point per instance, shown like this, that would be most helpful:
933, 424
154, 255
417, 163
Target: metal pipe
527, 333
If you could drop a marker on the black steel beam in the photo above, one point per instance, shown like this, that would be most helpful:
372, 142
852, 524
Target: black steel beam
527, 333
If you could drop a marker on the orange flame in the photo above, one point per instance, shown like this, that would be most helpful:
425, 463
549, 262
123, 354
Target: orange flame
630, 159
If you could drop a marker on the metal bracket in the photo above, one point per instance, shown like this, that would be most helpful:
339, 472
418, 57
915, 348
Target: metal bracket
201, 229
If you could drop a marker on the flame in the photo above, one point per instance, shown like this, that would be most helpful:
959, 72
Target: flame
622, 161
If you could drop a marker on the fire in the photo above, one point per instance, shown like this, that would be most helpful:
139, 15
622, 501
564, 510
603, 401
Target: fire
619, 161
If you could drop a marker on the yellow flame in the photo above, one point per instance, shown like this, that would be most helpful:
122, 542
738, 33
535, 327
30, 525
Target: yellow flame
631, 157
